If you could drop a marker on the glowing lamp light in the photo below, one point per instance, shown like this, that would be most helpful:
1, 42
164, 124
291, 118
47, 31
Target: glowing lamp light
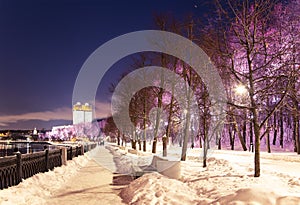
240, 90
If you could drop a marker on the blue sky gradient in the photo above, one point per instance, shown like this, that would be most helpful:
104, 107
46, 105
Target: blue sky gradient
43, 44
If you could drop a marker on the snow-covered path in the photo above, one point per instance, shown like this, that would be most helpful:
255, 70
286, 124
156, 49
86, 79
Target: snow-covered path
104, 158
93, 183
82, 181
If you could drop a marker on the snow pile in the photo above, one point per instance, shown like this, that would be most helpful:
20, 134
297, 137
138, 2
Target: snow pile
154, 188
125, 162
228, 179
256, 196
37, 188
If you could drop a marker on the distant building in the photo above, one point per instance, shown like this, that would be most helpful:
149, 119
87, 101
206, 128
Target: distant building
82, 113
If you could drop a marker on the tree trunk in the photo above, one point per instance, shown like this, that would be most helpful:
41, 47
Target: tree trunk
145, 125
281, 129
205, 150
205, 131
159, 103
154, 146
298, 148
156, 129
180, 140
164, 139
144, 145
296, 133
294, 138
186, 136
118, 137
187, 125
133, 140
256, 147
251, 136
140, 144
237, 130
168, 131
231, 137
245, 132
255, 117
200, 141
133, 144
268, 142
295, 123
275, 129
219, 141
123, 140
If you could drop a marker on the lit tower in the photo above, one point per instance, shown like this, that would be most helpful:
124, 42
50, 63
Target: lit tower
82, 113
87, 109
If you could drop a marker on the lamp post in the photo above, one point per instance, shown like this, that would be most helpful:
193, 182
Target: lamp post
240, 89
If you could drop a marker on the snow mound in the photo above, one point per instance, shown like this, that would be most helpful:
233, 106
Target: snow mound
222, 182
125, 162
256, 197
155, 188
36, 189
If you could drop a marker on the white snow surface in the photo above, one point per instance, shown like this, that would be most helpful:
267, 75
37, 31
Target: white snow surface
36, 189
228, 179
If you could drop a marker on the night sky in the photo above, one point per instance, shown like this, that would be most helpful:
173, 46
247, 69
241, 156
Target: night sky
43, 44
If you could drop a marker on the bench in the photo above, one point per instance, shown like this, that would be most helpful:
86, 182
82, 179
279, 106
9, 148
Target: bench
132, 151
122, 148
165, 167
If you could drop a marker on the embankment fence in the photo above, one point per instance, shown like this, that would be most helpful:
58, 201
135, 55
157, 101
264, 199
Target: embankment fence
22, 166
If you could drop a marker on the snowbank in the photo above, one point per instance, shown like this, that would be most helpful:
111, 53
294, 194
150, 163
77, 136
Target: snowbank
228, 179
125, 162
37, 188
154, 188
256, 196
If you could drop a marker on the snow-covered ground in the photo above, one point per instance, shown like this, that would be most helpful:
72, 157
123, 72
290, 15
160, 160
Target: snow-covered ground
228, 179
37, 188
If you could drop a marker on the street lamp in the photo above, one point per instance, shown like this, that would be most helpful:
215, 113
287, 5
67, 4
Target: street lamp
240, 89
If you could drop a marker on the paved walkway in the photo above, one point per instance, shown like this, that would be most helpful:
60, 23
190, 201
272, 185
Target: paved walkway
104, 158
93, 184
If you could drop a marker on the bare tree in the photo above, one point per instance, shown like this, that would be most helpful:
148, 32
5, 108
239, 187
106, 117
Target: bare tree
255, 63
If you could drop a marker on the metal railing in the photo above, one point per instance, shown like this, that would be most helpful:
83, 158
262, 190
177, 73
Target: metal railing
21, 166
